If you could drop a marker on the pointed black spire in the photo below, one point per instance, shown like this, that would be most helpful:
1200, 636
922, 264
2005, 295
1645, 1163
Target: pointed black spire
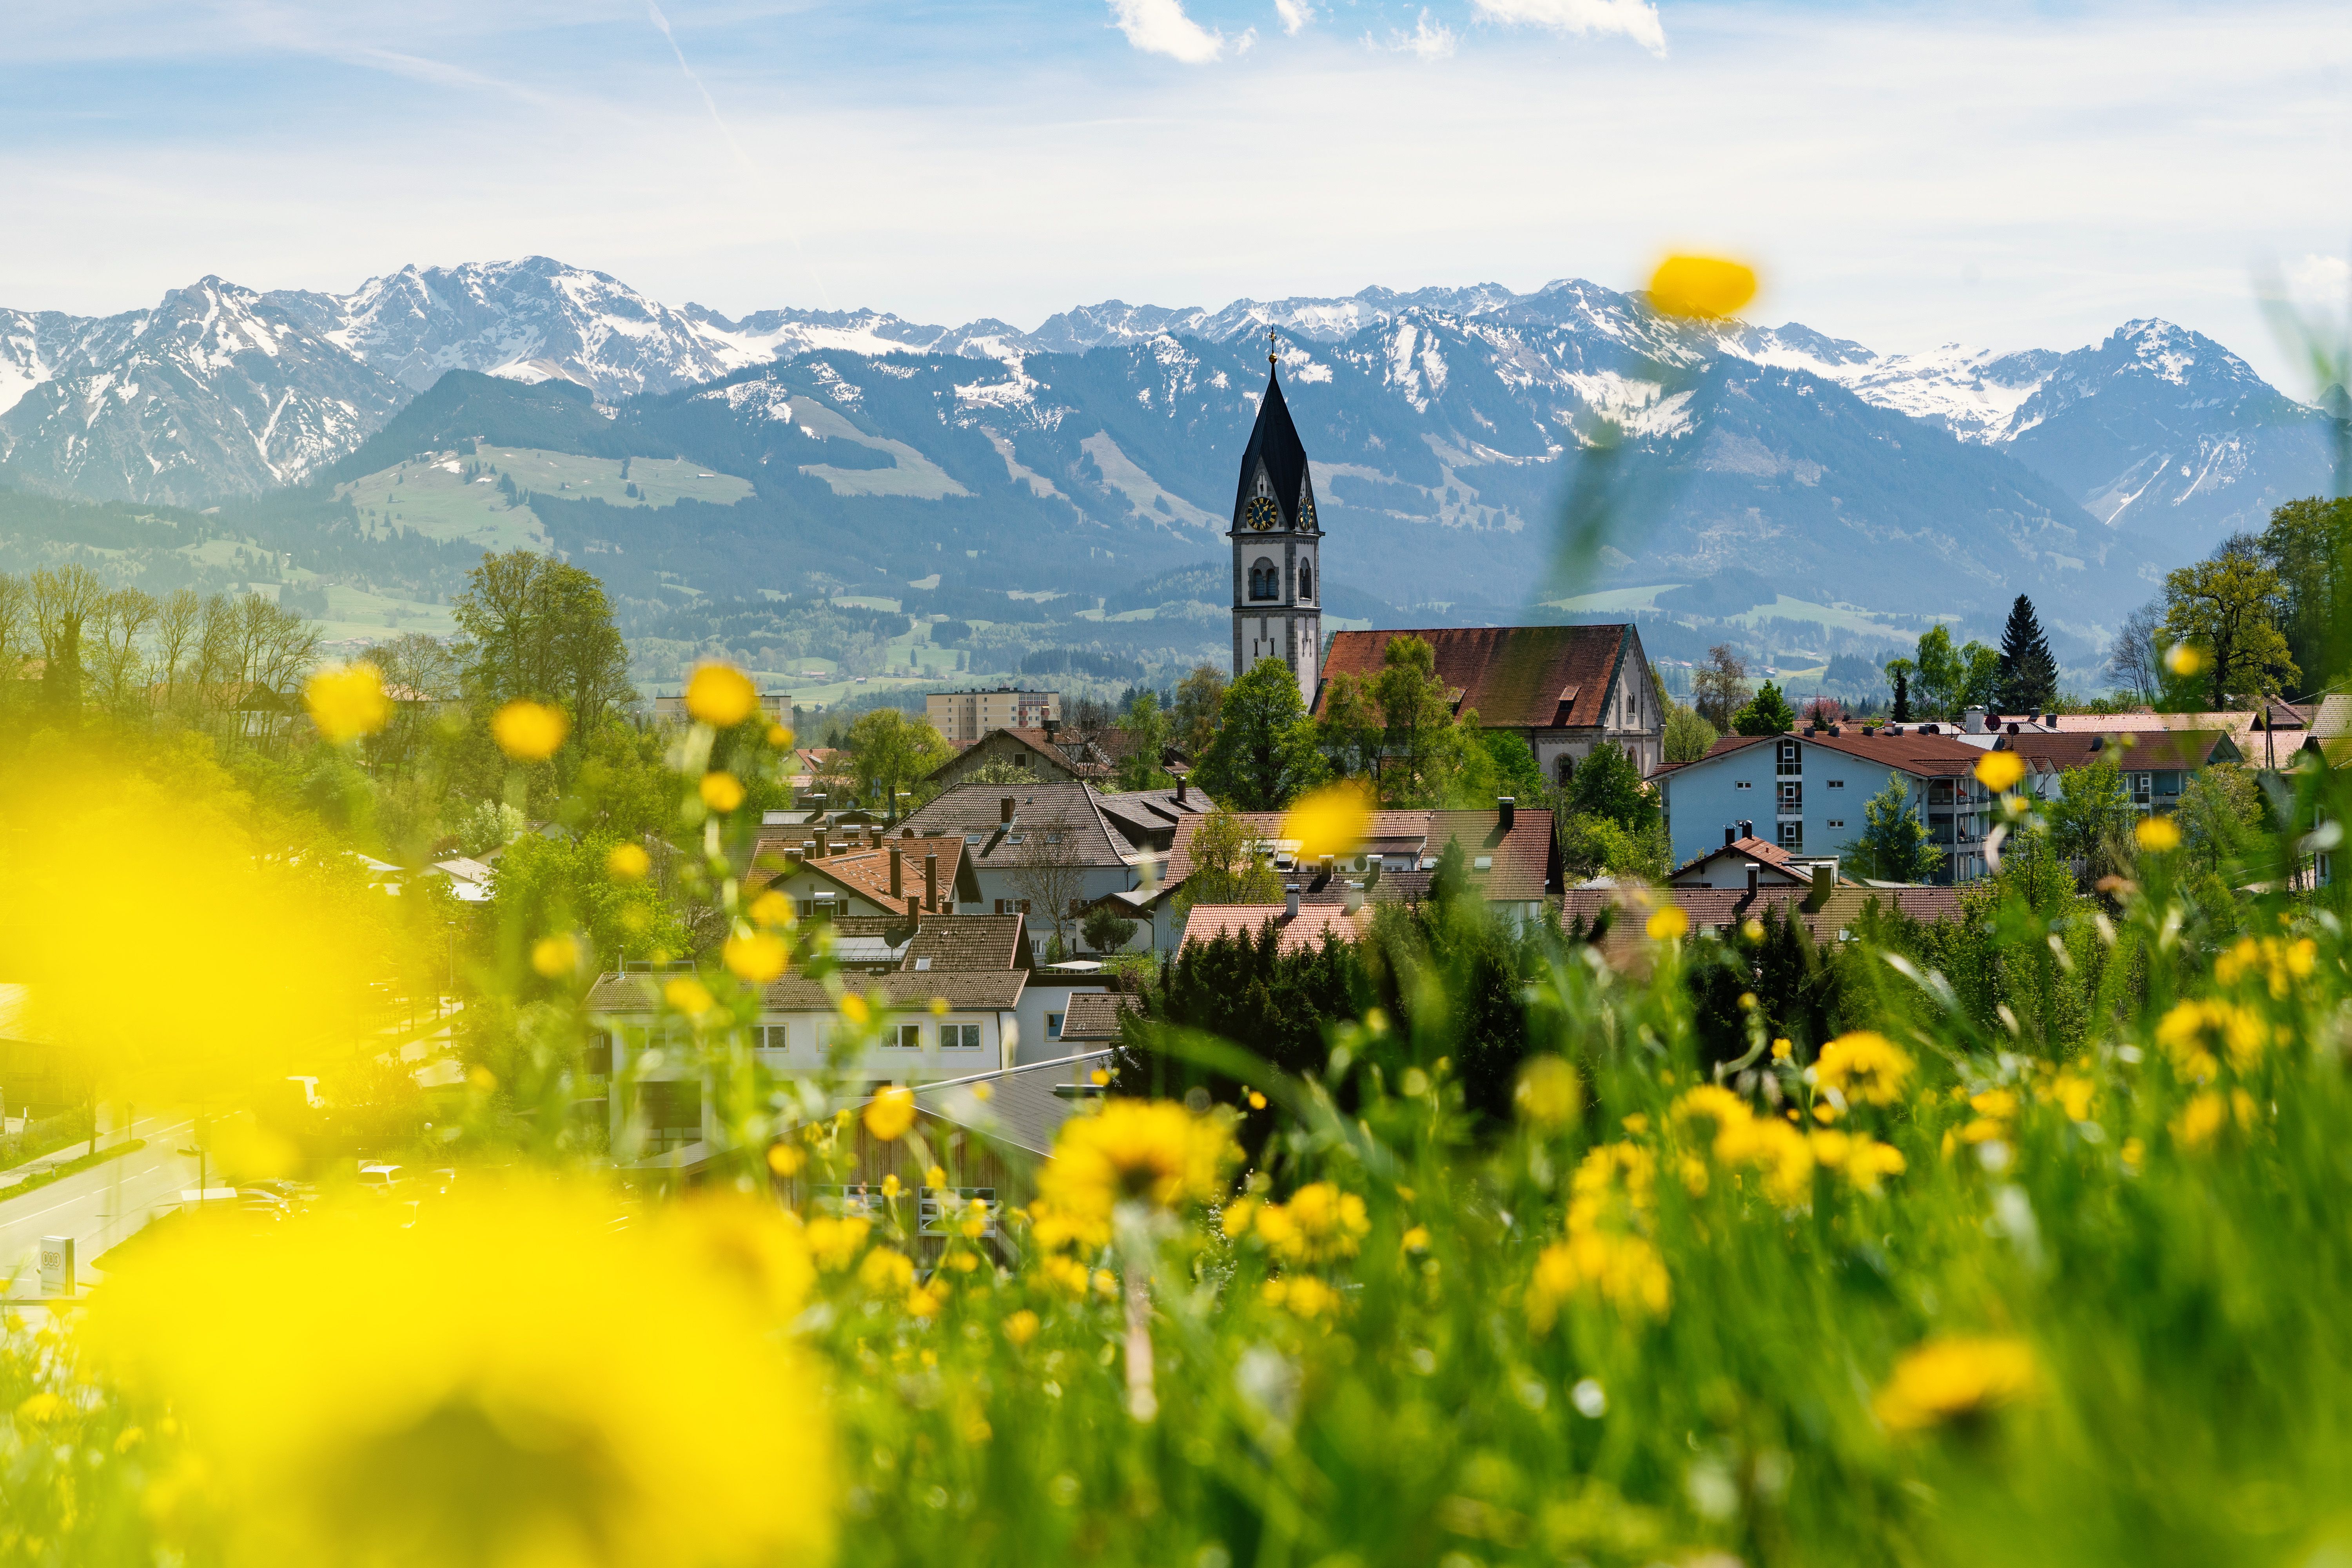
1274, 442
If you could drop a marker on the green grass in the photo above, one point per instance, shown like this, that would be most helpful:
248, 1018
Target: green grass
439, 499
60, 1170
913, 474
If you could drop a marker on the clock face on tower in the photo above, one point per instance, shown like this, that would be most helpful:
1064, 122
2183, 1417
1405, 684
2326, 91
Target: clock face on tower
1307, 514
1261, 513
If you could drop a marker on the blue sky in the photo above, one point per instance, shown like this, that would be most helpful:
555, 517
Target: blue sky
2006, 175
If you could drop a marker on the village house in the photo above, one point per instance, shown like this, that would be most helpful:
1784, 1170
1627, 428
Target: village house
1047, 850
1807, 792
830, 870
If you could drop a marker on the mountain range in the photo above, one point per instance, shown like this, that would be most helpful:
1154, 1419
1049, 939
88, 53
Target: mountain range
1447, 427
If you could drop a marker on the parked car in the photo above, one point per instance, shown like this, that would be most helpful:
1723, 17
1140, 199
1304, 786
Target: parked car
380, 1178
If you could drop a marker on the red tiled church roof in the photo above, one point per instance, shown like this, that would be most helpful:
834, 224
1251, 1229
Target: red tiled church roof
1533, 678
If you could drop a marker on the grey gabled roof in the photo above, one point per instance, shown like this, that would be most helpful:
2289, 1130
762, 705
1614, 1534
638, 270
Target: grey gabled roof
1019, 1106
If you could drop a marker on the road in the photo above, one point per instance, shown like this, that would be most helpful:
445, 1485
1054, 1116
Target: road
97, 1207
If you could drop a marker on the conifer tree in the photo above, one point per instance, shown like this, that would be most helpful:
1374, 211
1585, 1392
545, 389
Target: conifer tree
2029, 675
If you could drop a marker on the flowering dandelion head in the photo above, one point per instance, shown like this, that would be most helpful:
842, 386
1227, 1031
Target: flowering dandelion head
1701, 288
756, 956
1668, 924
628, 863
1954, 1379
771, 909
721, 792
720, 696
347, 701
1999, 771
1330, 821
2157, 835
689, 995
1133, 1150
1865, 1066
553, 957
890, 1112
1548, 1094
529, 731
2183, 660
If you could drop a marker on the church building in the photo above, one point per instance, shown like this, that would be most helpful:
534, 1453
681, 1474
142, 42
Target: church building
1276, 538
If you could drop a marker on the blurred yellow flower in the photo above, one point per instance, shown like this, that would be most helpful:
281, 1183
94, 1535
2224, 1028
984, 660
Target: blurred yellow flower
689, 995
2157, 835
853, 1008
1954, 1379
720, 696
890, 1112
466, 1433
1548, 1094
1134, 1151
836, 1243
2183, 660
2283, 962
347, 701
1329, 821
1320, 1223
1415, 1239
1302, 1294
1625, 1272
755, 956
780, 737
1668, 924
890, 1187
936, 1176
721, 792
773, 909
1782, 1049
1865, 1066
555, 956
529, 731
885, 1270
1701, 288
1999, 771
1021, 1327
628, 862
785, 1160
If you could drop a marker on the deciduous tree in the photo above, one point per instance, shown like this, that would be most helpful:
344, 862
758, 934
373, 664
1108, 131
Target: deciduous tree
1895, 846
1263, 755
2227, 606
1719, 687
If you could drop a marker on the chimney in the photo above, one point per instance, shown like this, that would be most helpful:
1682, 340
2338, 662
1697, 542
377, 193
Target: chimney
1747, 828
931, 882
1824, 883
1507, 811
1837, 729
1052, 724
1179, 790
1290, 900
1351, 897
821, 850
914, 910
2050, 718
895, 874
1972, 719
1730, 834
1005, 809
1751, 881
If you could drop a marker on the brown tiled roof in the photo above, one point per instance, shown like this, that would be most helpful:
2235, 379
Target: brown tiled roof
1525, 860
988, 990
1750, 848
972, 811
965, 945
1064, 757
865, 872
1537, 677
2144, 750
1927, 756
1301, 932
1717, 909
1094, 1015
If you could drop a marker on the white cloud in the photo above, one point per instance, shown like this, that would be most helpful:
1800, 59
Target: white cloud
1161, 28
1295, 14
2320, 276
1428, 40
1637, 19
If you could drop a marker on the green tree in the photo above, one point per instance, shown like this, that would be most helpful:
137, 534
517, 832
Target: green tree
1980, 685
2029, 674
539, 627
2309, 543
1592, 844
1719, 687
1939, 673
1229, 864
1516, 772
1105, 930
1263, 756
1899, 672
1895, 846
1608, 785
1767, 713
1199, 707
1350, 729
2227, 606
891, 750
1688, 735
1147, 728
546, 887
2092, 818
1423, 747
2221, 818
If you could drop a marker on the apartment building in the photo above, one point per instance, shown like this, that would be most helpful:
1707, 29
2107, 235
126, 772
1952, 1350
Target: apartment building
963, 717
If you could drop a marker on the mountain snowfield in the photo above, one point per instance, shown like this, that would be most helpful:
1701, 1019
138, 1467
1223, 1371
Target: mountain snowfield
2157, 434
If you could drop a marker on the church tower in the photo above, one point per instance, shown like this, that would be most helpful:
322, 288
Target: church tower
1278, 581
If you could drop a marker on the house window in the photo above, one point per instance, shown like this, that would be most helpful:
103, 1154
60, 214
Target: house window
672, 1109
2140, 788
1792, 794
1837, 822
1565, 770
769, 1037
1792, 835
1306, 579
1743, 783
1263, 583
1053, 1026
1837, 784
910, 1037
960, 1037
597, 1060
1789, 761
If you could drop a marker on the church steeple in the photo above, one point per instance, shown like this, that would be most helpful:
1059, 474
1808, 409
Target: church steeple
1277, 537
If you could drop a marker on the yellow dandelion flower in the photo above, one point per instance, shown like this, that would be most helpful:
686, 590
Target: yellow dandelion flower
1132, 1151
925, 1300
1021, 1327
1548, 1094
853, 1008
1668, 924
689, 995
1865, 1066
529, 731
1624, 1271
889, 1114
1319, 1224
836, 1243
771, 909
1237, 1217
2157, 835
1954, 1379
2183, 660
1415, 1240
1330, 821
784, 1159
756, 956
886, 1272
936, 1176
1105, 1284
664, 1454
720, 696
555, 956
1307, 1297
1257, 1100
1701, 288
721, 792
347, 701
2189, 1031
627, 862
1999, 771
1783, 1049
780, 737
